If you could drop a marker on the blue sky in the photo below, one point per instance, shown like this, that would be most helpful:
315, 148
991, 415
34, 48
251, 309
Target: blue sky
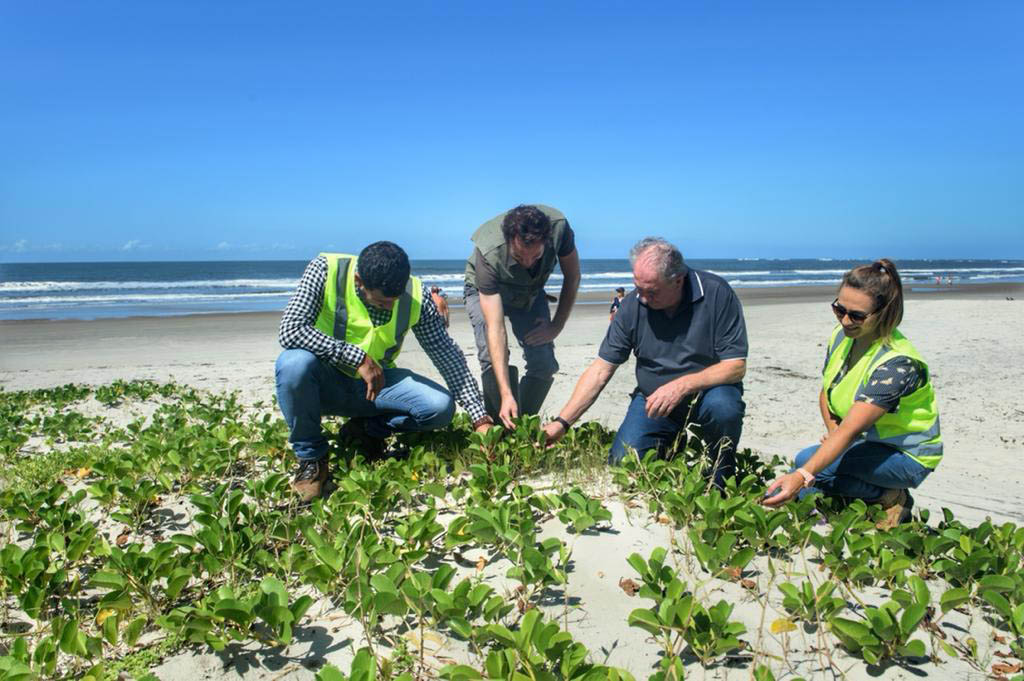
187, 130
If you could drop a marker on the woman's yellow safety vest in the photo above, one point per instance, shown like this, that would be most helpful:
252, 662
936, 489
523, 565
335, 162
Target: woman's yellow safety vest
914, 427
344, 316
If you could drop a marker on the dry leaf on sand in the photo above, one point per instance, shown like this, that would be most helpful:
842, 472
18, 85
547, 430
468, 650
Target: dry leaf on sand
782, 625
629, 586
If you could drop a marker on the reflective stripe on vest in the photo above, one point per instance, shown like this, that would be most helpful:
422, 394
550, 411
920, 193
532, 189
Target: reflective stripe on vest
344, 316
914, 427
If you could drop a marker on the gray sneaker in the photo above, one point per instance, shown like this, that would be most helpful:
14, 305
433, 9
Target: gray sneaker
309, 480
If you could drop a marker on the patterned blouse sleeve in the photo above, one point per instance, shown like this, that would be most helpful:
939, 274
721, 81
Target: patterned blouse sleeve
891, 382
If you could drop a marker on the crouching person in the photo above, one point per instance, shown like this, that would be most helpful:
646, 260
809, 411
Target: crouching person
686, 329
342, 332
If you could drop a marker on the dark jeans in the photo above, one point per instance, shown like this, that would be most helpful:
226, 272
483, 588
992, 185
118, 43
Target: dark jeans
864, 471
540, 359
308, 388
719, 411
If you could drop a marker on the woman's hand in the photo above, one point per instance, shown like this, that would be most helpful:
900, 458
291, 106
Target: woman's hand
782, 489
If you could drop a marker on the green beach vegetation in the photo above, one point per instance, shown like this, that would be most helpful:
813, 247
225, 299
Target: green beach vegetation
141, 519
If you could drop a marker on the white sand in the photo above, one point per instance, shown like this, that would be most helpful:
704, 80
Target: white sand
973, 348
972, 345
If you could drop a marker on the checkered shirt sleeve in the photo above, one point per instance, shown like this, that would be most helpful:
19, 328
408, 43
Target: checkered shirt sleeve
298, 323
430, 331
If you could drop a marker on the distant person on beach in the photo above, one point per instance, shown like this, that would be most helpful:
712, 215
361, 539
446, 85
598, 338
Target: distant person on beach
877, 402
620, 293
342, 332
513, 256
687, 331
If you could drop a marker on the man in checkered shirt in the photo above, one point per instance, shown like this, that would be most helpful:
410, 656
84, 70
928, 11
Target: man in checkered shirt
319, 374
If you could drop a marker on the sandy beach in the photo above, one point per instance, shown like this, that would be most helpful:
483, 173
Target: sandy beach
969, 336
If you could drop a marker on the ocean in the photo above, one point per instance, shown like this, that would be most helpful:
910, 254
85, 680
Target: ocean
124, 289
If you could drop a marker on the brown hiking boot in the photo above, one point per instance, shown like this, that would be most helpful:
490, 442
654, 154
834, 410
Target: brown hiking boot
309, 480
897, 504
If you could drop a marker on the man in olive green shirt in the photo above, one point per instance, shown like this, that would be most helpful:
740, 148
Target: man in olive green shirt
514, 254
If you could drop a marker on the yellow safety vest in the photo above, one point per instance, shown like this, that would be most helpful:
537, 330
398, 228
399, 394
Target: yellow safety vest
345, 317
914, 427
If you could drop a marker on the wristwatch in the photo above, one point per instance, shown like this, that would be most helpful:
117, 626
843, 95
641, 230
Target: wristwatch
806, 475
565, 424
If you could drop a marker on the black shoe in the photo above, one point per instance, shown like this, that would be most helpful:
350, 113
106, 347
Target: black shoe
354, 434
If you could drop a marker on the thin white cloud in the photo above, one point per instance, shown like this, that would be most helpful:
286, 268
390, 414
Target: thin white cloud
132, 245
20, 246
222, 246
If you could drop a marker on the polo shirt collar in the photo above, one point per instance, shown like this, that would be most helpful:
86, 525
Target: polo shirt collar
694, 284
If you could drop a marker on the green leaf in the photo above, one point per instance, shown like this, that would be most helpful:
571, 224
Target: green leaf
234, 610
997, 601
954, 598
742, 557
913, 648
920, 589
177, 581
435, 489
644, 619
996, 583
529, 624
330, 673
69, 637
851, 631
461, 627
107, 580
364, 666
273, 587
383, 584
300, 606
330, 556
134, 630
186, 540
460, 672
502, 634
911, 617
111, 629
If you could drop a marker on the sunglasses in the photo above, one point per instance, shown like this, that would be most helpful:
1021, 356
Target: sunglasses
855, 316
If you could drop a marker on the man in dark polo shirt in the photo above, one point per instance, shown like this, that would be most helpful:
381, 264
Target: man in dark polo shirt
687, 331
513, 256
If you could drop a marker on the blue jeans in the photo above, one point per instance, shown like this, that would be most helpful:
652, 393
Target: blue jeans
719, 412
308, 388
540, 359
864, 471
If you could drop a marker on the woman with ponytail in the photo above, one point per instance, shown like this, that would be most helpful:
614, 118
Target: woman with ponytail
877, 403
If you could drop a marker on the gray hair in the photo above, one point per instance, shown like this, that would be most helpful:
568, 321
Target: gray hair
667, 257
